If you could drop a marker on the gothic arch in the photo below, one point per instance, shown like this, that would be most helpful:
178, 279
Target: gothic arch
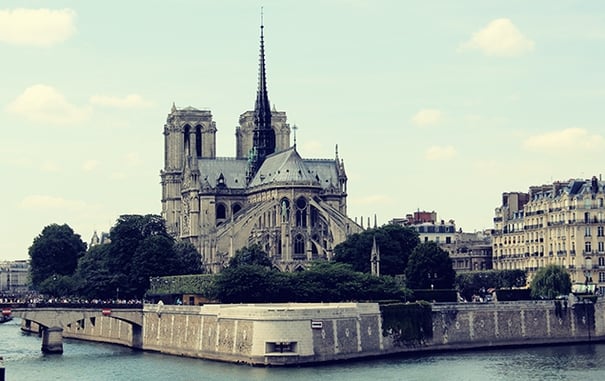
301, 211
299, 247
186, 131
198, 140
236, 207
221, 211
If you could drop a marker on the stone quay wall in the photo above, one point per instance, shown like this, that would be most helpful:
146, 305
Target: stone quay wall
290, 334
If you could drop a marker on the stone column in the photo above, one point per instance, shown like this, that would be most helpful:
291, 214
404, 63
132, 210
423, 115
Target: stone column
52, 340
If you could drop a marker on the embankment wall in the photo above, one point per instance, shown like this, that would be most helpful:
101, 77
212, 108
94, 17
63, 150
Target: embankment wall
287, 334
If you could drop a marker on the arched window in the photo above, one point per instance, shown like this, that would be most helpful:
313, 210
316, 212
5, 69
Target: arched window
236, 208
198, 141
299, 247
186, 132
221, 211
301, 212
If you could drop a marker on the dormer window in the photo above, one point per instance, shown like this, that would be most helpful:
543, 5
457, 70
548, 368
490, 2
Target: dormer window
220, 181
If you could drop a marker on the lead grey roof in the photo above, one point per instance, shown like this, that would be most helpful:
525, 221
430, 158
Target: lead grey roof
283, 167
233, 170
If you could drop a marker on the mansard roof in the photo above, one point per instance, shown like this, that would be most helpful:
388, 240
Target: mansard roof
570, 188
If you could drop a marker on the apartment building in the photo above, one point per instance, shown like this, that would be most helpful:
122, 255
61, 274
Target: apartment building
562, 223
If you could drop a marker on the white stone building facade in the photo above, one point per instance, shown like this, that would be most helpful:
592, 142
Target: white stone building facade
561, 223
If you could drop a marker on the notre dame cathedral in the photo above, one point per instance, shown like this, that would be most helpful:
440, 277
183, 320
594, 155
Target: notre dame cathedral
267, 194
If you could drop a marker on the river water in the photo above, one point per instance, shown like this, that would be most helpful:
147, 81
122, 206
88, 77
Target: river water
93, 361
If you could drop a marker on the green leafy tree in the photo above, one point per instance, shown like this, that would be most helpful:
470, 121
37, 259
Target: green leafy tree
478, 282
550, 281
394, 242
250, 255
126, 236
244, 283
153, 256
337, 282
322, 282
430, 266
58, 286
328, 282
189, 261
140, 247
94, 278
55, 252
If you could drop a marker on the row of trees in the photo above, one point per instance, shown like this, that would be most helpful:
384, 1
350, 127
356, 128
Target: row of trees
139, 247
250, 278
424, 265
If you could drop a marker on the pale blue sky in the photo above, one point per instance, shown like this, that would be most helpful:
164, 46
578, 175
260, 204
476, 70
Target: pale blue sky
434, 105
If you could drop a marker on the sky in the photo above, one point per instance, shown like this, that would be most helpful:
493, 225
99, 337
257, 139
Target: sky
434, 105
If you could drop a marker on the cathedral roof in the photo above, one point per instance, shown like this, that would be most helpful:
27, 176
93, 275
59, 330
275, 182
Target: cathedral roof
233, 171
284, 167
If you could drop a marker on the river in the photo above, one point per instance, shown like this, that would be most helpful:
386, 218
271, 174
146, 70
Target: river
93, 361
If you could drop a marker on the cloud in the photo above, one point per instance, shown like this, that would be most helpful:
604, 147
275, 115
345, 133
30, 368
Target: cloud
118, 176
311, 148
90, 165
499, 38
568, 140
426, 117
37, 27
133, 159
372, 199
42, 103
37, 202
49, 166
128, 102
440, 153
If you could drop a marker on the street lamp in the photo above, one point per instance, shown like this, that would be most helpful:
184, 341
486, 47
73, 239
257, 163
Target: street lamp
432, 278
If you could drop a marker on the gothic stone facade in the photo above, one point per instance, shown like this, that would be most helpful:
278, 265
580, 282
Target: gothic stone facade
294, 208
267, 194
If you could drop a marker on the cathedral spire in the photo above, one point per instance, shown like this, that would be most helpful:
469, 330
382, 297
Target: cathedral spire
262, 109
263, 134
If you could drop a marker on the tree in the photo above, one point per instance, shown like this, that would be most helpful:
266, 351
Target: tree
430, 266
322, 282
337, 282
188, 259
245, 283
93, 276
140, 247
128, 233
251, 255
478, 282
58, 286
395, 244
55, 252
154, 256
550, 281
